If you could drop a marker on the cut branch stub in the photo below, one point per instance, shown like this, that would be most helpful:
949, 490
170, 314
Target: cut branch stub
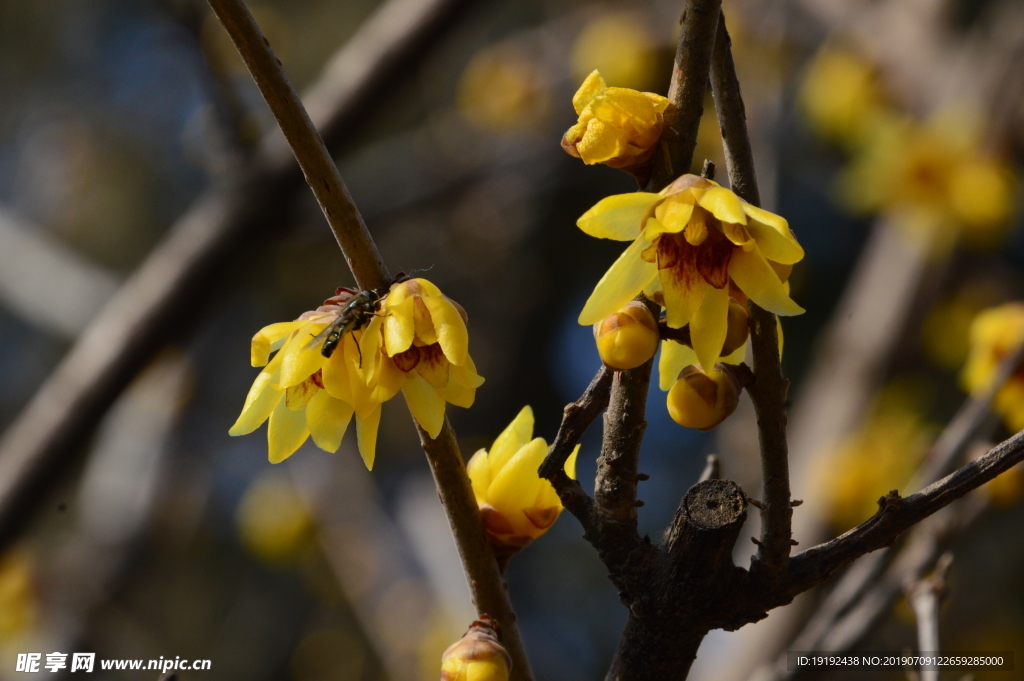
708, 522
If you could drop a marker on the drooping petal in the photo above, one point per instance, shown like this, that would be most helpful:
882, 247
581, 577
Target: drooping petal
768, 219
515, 485
723, 204
261, 400
709, 326
425, 403
366, 436
466, 375
286, 432
619, 217
452, 335
515, 435
399, 327
674, 358
459, 395
270, 338
756, 278
299, 359
370, 342
298, 396
335, 376
624, 279
327, 419
682, 285
479, 471
389, 381
774, 245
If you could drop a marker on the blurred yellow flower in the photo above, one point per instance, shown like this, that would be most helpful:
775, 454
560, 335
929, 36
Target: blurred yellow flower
691, 242
880, 456
425, 345
502, 89
517, 505
627, 338
935, 178
18, 598
303, 393
840, 96
995, 334
617, 126
702, 399
477, 656
1007, 489
620, 46
273, 520
945, 335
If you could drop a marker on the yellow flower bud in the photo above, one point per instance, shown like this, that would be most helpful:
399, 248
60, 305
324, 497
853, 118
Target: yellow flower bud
477, 656
702, 399
517, 505
628, 338
738, 329
617, 126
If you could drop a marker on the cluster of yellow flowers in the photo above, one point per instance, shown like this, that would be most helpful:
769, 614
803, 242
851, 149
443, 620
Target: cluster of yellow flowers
416, 343
996, 333
934, 177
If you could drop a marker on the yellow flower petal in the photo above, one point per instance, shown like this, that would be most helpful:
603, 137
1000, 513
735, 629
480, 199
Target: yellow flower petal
515, 435
570, 463
625, 109
674, 212
459, 395
452, 335
515, 485
683, 291
601, 142
366, 436
335, 376
621, 283
592, 86
479, 471
327, 419
756, 278
370, 342
660, 103
299, 359
619, 217
389, 381
738, 235
399, 327
425, 403
674, 358
466, 375
775, 245
261, 400
298, 396
268, 339
286, 432
709, 326
724, 205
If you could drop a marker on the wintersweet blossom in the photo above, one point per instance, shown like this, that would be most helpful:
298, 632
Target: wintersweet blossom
477, 656
693, 242
302, 393
517, 505
419, 344
627, 338
703, 399
617, 126
995, 334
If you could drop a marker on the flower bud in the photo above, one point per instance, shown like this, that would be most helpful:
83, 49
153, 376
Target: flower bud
628, 338
738, 328
477, 656
702, 399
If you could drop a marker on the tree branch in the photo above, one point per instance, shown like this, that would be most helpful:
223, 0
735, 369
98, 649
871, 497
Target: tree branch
768, 391
478, 560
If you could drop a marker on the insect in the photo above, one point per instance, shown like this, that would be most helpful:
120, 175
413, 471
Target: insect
355, 315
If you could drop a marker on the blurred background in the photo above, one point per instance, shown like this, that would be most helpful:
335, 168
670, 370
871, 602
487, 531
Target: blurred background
889, 134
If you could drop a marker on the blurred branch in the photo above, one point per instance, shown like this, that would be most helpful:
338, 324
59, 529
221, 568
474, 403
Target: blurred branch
446, 463
165, 293
925, 595
712, 469
769, 388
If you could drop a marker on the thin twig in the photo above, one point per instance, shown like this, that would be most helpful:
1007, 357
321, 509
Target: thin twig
478, 560
768, 391
712, 469
925, 597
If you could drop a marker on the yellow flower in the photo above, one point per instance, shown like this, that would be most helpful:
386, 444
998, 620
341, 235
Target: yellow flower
691, 242
420, 345
503, 89
516, 503
273, 520
477, 656
628, 338
841, 97
303, 393
702, 400
18, 597
935, 177
618, 45
996, 333
617, 126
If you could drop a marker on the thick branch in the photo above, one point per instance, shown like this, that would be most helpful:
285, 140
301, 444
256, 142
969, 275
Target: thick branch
768, 391
317, 165
896, 514
478, 560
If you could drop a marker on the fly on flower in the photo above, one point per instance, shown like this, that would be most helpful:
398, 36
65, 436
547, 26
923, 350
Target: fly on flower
361, 307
